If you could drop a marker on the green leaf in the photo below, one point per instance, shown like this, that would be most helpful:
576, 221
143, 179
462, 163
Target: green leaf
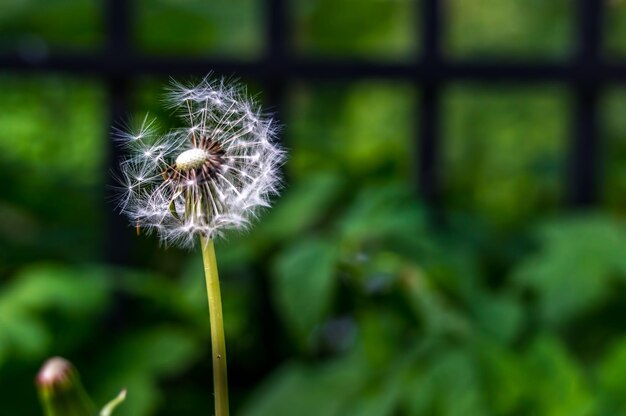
384, 213
573, 271
553, 373
431, 307
448, 385
612, 379
504, 377
42, 289
137, 361
296, 389
22, 335
304, 282
305, 203
500, 316
45, 286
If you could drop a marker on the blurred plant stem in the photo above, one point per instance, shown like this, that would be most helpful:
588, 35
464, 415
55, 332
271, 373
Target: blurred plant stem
218, 342
108, 409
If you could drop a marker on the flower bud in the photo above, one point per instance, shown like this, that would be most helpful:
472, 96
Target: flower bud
60, 390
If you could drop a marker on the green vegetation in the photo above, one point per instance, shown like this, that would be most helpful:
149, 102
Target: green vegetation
344, 299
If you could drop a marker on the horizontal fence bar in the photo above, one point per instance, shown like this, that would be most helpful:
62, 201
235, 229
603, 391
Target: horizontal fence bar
483, 71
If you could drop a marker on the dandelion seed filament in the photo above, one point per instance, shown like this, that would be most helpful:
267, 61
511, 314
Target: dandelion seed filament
213, 173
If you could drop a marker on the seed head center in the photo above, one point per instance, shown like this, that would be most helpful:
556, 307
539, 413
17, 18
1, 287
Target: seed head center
191, 159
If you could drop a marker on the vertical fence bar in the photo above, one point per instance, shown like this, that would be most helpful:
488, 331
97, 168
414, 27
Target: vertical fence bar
585, 150
118, 23
428, 156
276, 47
276, 52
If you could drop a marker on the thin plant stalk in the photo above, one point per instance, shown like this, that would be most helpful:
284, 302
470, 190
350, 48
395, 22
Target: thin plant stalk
193, 183
218, 342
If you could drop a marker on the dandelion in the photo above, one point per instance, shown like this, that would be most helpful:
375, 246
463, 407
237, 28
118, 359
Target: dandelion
194, 183
209, 176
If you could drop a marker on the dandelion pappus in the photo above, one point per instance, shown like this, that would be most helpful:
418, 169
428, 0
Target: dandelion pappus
212, 174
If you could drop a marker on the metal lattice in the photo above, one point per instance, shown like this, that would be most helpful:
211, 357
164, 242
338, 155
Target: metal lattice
584, 74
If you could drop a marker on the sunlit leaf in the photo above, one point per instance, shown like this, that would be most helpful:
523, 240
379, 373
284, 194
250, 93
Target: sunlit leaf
573, 270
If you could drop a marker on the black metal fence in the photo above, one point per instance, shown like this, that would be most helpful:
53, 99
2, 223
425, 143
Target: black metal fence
585, 74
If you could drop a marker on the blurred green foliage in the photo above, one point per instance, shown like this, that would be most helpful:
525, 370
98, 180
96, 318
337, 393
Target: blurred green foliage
512, 166
227, 27
614, 151
31, 27
53, 162
356, 28
345, 298
614, 28
515, 29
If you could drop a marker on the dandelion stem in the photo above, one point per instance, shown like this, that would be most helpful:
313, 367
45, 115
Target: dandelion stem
218, 342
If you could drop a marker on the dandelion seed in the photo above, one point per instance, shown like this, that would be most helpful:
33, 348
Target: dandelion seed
212, 175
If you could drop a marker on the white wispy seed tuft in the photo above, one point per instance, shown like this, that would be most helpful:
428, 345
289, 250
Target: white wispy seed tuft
212, 175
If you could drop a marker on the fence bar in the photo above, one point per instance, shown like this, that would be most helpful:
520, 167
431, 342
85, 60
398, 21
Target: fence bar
429, 140
117, 245
289, 68
273, 73
273, 79
586, 74
585, 144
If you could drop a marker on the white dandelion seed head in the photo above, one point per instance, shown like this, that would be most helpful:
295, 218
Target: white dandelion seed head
212, 175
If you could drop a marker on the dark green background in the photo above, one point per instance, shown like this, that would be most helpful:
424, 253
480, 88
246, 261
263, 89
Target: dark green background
343, 299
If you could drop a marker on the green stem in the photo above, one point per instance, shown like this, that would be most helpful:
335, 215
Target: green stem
218, 342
